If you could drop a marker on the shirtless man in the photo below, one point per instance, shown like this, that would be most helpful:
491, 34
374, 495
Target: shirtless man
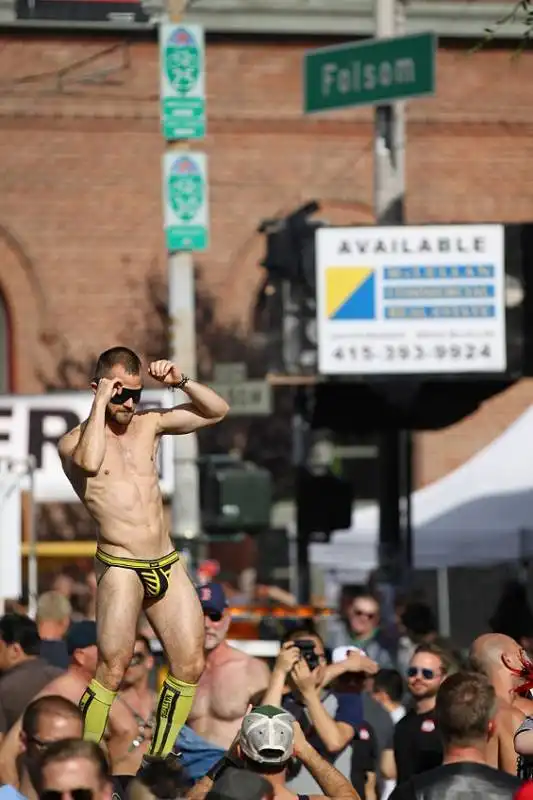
45, 720
231, 679
110, 460
81, 644
132, 719
497, 656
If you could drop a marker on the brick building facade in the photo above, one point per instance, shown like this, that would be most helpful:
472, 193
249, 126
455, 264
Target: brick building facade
80, 208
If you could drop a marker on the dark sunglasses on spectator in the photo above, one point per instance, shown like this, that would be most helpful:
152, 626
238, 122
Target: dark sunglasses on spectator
214, 616
137, 658
357, 612
126, 394
40, 743
76, 794
427, 674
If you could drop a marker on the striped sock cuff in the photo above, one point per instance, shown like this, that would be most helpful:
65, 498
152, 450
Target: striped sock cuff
185, 689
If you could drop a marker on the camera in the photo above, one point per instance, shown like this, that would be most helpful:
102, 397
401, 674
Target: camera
307, 649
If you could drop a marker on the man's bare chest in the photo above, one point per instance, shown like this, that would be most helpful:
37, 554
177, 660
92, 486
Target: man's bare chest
223, 692
126, 457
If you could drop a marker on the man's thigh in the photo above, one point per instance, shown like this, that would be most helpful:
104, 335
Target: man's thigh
118, 605
177, 617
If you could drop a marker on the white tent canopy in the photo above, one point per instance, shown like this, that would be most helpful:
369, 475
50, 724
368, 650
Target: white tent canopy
480, 513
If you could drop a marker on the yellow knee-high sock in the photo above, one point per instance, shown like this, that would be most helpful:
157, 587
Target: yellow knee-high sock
173, 707
95, 705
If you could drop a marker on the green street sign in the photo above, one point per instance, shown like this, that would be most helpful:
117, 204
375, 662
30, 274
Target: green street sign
182, 81
371, 72
185, 201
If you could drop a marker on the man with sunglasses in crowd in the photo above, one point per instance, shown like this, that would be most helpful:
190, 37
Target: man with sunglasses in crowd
231, 681
72, 769
361, 628
111, 462
417, 742
132, 720
45, 720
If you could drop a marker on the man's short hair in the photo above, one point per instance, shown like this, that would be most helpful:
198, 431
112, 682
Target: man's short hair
466, 703
446, 659
240, 784
53, 606
303, 631
52, 704
391, 682
67, 749
20, 629
117, 356
419, 619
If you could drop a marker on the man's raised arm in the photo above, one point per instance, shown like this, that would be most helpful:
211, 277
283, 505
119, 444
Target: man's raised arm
85, 447
206, 407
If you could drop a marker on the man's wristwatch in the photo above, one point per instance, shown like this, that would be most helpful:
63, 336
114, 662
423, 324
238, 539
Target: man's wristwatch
182, 383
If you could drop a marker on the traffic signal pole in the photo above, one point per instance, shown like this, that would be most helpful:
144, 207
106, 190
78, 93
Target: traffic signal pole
395, 447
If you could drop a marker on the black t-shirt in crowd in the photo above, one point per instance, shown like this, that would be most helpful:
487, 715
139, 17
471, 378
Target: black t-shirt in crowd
460, 781
417, 745
364, 757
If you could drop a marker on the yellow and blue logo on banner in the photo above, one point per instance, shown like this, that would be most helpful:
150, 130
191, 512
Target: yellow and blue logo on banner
350, 293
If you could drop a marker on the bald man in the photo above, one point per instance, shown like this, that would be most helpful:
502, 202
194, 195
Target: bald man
497, 656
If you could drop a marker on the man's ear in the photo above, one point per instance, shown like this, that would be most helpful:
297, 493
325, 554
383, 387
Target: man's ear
507, 661
491, 730
94, 386
23, 739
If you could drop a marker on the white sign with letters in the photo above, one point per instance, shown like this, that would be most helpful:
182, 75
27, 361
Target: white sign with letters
33, 425
411, 300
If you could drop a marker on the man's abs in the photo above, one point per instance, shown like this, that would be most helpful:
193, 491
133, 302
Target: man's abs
129, 515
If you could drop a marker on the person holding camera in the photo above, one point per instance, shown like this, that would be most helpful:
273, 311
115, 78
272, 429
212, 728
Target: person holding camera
329, 719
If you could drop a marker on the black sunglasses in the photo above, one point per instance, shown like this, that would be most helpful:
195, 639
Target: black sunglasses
427, 674
126, 394
40, 743
214, 616
76, 794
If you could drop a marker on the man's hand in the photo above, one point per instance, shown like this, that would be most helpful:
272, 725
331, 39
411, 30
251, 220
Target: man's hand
165, 372
302, 677
106, 389
300, 742
358, 661
288, 656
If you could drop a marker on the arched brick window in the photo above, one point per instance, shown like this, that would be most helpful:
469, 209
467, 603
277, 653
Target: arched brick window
5, 347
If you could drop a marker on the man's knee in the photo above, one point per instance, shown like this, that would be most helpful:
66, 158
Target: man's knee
189, 671
110, 671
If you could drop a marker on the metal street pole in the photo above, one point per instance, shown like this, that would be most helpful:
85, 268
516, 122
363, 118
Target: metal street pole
389, 187
186, 517
186, 524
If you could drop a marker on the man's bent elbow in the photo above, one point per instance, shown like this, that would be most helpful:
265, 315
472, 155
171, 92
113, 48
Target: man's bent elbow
222, 411
90, 467
334, 746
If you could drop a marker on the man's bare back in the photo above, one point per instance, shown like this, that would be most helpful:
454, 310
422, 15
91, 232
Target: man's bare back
231, 680
501, 753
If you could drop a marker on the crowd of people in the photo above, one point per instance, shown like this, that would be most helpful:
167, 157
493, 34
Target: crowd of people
349, 709
361, 708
